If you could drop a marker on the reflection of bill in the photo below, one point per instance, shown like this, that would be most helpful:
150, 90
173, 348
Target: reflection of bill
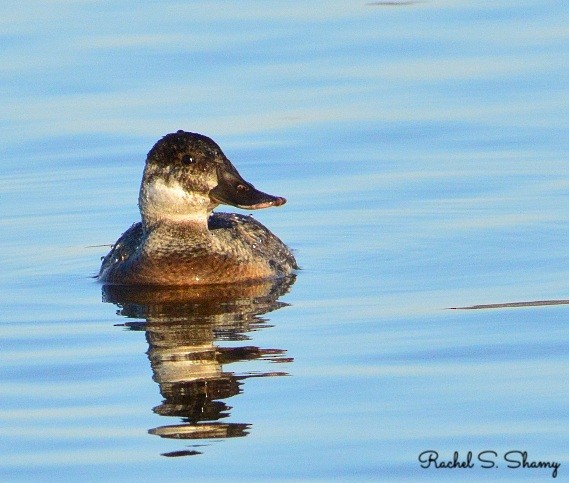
183, 327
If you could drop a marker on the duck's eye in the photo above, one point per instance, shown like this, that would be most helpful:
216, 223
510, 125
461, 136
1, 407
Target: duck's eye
187, 159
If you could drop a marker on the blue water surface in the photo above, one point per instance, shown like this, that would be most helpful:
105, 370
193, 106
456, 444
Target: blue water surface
422, 147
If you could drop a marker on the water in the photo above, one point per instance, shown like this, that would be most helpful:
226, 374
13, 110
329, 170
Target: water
422, 148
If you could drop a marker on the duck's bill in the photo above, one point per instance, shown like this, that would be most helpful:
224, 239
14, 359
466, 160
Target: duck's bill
233, 190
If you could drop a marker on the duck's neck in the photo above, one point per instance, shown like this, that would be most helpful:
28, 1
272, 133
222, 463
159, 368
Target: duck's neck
168, 203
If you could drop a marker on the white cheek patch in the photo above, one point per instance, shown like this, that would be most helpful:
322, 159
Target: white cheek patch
171, 199
171, 194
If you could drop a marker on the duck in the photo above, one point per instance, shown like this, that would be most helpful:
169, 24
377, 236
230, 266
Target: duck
180, 240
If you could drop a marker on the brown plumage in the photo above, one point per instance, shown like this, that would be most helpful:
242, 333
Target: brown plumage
180, 241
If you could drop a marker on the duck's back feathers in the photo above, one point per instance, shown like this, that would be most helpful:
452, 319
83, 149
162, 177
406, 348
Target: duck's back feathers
237, 248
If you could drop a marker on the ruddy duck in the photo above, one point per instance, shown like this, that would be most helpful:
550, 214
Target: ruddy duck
180, 241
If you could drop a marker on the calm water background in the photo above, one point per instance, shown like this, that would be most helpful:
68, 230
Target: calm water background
423, 150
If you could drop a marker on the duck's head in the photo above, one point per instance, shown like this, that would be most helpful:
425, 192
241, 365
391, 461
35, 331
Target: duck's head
187, 175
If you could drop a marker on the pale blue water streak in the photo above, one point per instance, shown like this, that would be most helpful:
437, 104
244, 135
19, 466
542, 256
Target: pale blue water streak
422, 149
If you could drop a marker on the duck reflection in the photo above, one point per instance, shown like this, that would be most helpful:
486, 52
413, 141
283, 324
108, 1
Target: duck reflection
183, 327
